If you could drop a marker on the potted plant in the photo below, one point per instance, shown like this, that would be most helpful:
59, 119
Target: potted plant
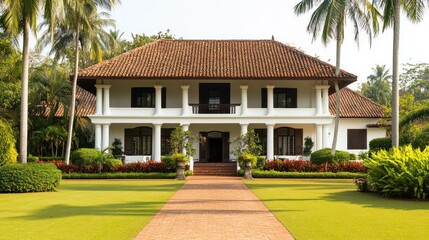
246, 147
248, 160
182, 146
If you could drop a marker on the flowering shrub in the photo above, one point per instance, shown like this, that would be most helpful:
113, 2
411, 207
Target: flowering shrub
362, 184
307, 166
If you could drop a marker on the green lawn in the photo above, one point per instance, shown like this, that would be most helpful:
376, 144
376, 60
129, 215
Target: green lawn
85, 209
333, 209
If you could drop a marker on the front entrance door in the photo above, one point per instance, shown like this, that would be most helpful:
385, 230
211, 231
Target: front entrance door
214, 147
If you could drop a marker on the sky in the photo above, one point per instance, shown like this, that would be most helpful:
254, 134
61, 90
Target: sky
261, 19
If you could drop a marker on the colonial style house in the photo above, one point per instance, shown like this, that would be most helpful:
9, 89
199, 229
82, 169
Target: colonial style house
219, 89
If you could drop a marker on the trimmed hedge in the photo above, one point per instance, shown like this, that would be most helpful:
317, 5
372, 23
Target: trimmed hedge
30, 177
378, 144
324, 156
118, 175
275, 174
402, 172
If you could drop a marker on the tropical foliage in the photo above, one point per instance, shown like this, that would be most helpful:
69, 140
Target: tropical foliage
8, 152
402, 172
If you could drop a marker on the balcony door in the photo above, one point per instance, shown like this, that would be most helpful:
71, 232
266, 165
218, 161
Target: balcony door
214, 98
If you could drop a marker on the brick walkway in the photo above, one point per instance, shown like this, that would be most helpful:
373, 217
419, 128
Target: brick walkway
214, 208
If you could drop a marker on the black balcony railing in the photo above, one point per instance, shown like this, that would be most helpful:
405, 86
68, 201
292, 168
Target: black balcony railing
214, 108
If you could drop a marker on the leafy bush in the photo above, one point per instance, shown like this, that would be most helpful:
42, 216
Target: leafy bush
170, 163
352, 156
260, 163
30, 177
324, 156
275, 174
84, 157
32, 159
111, 164
363, 155
179, 157
8, 153
402, 172
378, 144
307, 166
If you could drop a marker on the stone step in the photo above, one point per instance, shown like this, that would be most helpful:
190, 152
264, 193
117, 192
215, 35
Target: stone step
218, 169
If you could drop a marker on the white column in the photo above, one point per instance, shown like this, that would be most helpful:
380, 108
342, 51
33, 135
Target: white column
270, 141
105, 142
325, 103
157, 142
185, 100
270, 99
319, 136
319, 100
158, 99
325, 136
244, 99
244, 128
98, 136
99, 100
106, 100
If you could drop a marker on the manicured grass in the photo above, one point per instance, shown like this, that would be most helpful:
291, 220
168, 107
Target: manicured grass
85, 209
333, 209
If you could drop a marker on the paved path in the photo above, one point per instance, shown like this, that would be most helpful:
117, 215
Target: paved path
214, 208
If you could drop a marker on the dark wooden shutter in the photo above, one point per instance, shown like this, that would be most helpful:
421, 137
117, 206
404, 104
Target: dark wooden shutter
292, 94
203, 147
128, 142
164, 97
298, 141
225, 147
135, 94
356, 139
263, 98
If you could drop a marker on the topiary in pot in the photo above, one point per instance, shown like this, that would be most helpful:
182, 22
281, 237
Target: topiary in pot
248, 159
181, 161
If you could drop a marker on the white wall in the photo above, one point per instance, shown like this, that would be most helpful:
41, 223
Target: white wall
120, 92
355, 123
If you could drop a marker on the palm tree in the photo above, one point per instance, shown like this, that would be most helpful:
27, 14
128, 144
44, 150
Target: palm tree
378, 86
414, 10
329, 20
21, 17
81, 12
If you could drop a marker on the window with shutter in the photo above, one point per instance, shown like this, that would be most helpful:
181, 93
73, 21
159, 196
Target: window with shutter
144, 97
357, 139
138, 141
283, 97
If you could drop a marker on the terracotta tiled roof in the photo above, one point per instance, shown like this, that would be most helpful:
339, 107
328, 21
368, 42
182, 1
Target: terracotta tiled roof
215, 59
354, 105
85, 104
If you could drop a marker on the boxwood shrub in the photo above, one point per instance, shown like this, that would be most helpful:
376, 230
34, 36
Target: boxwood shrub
85, 157
402, 172
378, 144
324, 156
30, 177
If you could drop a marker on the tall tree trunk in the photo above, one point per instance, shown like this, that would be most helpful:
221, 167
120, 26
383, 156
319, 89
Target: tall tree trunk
337, 99
395, 89
73, 99
24, 94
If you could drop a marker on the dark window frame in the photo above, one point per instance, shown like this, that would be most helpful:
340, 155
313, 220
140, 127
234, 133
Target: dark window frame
139, 91
289, 93
140, 135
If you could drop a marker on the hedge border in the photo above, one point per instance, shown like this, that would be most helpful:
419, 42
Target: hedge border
120, 175
275, 174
